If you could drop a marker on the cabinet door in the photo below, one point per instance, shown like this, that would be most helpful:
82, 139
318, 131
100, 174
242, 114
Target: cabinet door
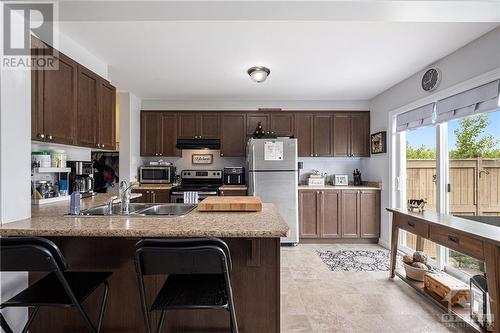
341, 134
304, 126
107, 114
282, 123
150, 133
360, 134
253, 120
36, 94
59, 101
350, 214
169, 134
323, 140
209, 125
187, 125
369, 213
87, 108
160, 196
330, 214
233, 136
308, 214
145, 195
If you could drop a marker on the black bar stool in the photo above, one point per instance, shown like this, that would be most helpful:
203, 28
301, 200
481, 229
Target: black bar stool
198, 276
57, 289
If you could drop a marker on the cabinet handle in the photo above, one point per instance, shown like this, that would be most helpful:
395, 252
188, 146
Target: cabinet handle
41, 135
222, 155
154, 196
453, 239
50, 137
316, 155
312, 155
222, 193
411, 224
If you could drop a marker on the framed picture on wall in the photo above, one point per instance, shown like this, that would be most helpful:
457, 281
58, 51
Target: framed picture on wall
378, 142
202, 158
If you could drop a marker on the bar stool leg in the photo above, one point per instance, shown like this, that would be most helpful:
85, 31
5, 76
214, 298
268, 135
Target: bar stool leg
160, 322
4, 325
103, 305
30, 320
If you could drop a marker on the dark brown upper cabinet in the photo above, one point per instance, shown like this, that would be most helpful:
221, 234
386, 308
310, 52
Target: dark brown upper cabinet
199, 125
351, 134
87, 108
323, 136
233, 134
71, 104
304, 132
150, 133
360, 134
159, 133
253, 120
106, 117
55, 101
169, 134
282, 123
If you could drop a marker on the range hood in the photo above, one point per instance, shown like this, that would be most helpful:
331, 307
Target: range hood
198, 144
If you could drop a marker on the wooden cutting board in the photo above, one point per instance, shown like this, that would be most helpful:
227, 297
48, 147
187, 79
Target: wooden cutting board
230, 204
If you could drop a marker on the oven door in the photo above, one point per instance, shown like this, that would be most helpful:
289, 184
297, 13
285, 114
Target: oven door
155, 175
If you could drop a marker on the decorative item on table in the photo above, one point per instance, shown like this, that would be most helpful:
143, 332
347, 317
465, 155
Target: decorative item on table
356, 175
259, 131
451, 290
202, 158
418, 204
480, 310
340, 180
416, 266
378, 143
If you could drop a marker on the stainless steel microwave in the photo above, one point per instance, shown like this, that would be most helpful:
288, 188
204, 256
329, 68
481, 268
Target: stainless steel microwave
156, 174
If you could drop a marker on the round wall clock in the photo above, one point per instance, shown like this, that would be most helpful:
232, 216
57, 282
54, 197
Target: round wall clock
431, 79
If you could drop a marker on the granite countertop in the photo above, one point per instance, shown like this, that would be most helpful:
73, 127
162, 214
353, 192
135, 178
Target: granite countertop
49, 220
332, 187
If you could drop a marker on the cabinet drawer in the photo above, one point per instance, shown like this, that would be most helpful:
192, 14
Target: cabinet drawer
414, 226
457, 241
229, 193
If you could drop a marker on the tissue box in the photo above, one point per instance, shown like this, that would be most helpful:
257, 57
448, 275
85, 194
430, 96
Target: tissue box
316, 181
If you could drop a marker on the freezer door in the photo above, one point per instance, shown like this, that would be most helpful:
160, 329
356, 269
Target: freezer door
279, 188
256, 155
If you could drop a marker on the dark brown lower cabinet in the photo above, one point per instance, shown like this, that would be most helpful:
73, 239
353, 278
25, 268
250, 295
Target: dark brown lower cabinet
339, 214
152, 196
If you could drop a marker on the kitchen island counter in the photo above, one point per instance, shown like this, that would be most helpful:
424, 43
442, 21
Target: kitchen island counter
108, 244
49, 220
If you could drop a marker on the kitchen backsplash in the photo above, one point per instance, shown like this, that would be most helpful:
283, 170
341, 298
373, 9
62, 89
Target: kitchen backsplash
326, 164
329, 165
73, 153
185, 162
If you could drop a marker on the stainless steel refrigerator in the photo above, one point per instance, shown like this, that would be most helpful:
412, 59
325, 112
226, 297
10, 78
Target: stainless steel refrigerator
272, 176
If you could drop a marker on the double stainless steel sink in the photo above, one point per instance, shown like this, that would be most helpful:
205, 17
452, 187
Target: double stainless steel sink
142, 210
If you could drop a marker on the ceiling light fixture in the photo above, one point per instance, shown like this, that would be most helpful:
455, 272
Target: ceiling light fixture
259, 73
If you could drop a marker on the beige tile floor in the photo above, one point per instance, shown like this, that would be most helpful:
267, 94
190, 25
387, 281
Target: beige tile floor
314, 299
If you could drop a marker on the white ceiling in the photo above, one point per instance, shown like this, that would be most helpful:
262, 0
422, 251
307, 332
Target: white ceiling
309, 60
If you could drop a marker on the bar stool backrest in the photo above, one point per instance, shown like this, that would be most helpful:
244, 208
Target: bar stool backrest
183, 256
30, 254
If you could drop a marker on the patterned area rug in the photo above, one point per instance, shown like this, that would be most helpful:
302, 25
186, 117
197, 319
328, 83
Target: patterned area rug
356, 260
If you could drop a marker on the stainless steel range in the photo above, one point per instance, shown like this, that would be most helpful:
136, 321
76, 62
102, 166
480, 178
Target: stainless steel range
204, 182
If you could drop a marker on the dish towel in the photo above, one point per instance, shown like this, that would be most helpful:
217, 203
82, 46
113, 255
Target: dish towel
191, 197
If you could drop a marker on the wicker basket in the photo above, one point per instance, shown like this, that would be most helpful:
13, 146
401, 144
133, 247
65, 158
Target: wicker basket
415, 273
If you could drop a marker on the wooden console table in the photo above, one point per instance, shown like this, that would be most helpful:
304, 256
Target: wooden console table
480, 241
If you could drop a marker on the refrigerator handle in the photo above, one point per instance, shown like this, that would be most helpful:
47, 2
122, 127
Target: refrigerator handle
253, 168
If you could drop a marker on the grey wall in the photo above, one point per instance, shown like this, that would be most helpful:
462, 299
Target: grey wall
476, 58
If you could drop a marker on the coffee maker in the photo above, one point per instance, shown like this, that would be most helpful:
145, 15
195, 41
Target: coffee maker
81, 178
